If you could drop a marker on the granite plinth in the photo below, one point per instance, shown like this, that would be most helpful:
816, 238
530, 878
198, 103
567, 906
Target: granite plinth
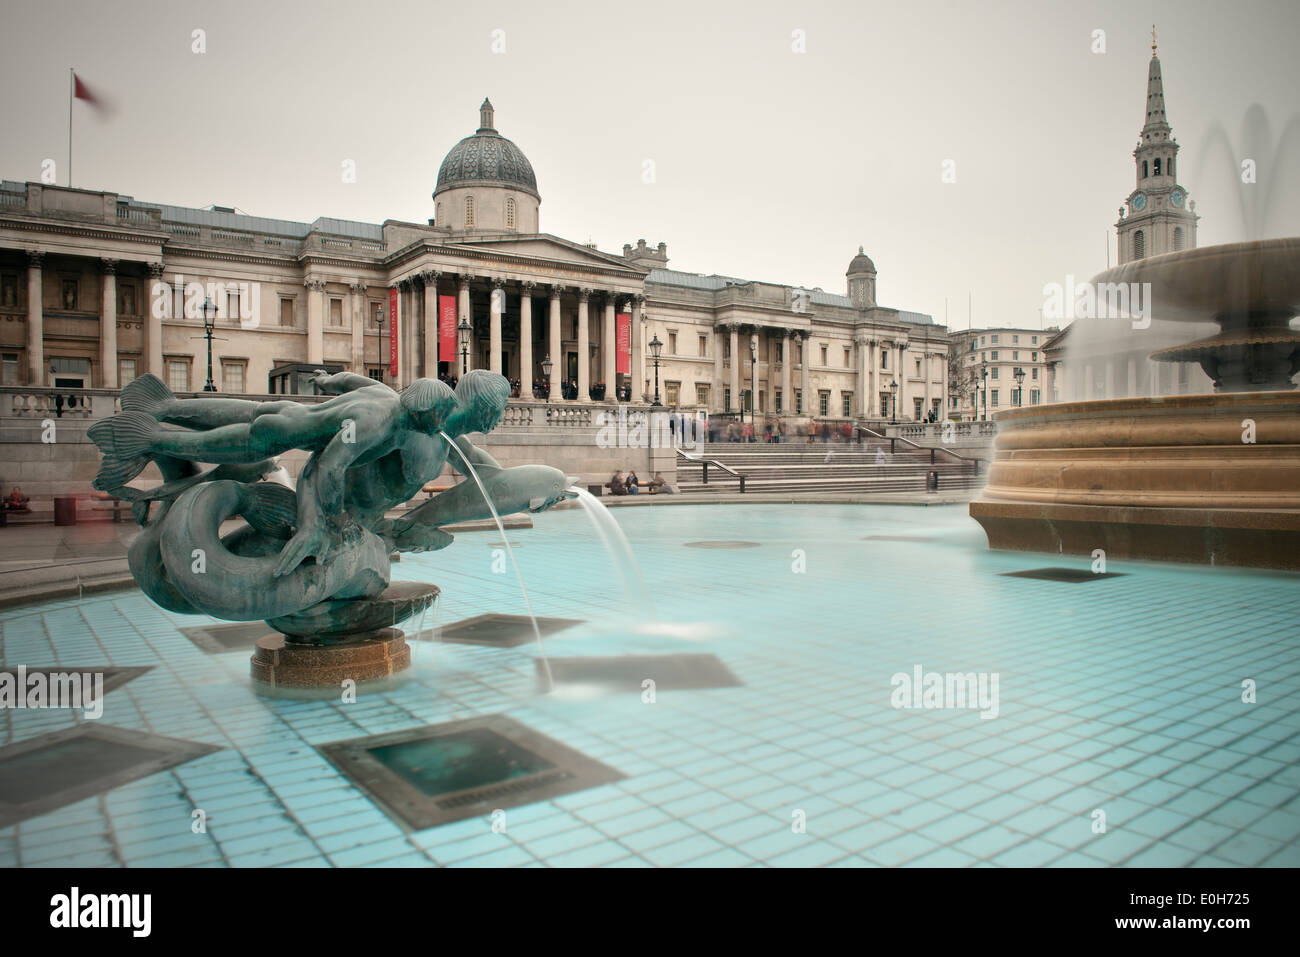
281, 663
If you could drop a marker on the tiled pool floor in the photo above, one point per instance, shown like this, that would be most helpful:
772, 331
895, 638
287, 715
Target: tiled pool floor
1122, 696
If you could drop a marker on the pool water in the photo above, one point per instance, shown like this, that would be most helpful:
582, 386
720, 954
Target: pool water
1125, 731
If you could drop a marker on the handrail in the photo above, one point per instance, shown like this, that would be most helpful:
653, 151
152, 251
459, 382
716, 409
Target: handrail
704, 467
891, 439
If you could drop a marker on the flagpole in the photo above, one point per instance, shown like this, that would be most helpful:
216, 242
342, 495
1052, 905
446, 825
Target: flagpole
72, 86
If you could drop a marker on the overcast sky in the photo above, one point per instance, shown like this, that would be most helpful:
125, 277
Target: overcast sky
768, 163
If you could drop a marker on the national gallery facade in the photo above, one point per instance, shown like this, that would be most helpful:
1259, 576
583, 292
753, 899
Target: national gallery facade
97, 288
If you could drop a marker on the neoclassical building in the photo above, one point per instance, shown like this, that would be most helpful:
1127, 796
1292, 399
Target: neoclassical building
97, 288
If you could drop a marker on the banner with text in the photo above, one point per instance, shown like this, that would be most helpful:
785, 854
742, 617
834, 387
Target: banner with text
447, 330
624, 339
393, 328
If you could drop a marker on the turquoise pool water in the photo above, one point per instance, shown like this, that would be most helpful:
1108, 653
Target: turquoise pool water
1122, 695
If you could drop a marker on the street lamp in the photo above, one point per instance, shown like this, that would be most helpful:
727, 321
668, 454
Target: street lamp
464, 329
893, 402
379, 321
1019, 376
656, 347
753, 386
984, 378
209, 325
547, 365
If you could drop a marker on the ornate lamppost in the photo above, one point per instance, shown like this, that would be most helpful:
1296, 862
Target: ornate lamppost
464, 329
1019, 376
547, 365
984, 379
893, 402
753, 386
379, 321
209, 326
656, 347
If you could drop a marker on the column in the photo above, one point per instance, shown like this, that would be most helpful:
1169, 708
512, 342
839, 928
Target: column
555, 344
315, 320
526, 341
902, 377
925, 371
410, 324
787, 359
873, 380
735, 364
496, 306
108, 326
35, 320
863, 377
462, 315
803, 367
357, 310
609, 347
638, 348
430, 277
584, 347
717, 387
153, 322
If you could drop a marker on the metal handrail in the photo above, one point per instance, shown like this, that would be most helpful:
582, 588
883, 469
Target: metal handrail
891, 439
704, 468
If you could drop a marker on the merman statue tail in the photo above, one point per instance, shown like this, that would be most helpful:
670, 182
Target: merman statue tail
126, 442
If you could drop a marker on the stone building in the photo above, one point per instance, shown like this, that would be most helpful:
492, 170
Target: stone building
97, 288
986, 361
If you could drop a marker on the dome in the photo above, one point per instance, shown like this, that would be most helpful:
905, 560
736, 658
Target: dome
861, 263
486, 159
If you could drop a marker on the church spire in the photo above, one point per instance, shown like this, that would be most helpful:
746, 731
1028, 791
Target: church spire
1155, 120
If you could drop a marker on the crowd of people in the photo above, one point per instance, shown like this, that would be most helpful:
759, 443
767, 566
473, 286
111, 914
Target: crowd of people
631, 485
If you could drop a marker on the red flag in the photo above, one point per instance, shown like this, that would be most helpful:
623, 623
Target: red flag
82, 92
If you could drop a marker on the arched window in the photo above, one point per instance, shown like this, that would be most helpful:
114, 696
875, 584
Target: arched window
469, 210
510, 212
1179, 241
1139, 244
1157, 166
1144, 169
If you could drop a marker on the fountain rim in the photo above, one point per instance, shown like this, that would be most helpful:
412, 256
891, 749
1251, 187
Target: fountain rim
1285, 399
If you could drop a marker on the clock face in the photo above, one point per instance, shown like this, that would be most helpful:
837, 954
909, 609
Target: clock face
1140, 201
1176, 197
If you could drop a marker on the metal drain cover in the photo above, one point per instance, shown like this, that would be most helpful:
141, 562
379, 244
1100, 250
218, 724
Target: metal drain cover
430, 776
223, 639
722, 544
503, 631
1072, 575
628, 672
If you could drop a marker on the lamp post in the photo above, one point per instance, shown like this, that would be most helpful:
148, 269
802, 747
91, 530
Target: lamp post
753, 386
379, 321
463, 329
656, 347
209, 326
984, 380
893, 402
547, 365
1019, 376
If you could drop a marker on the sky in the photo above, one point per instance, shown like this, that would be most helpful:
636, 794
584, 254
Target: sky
763, 140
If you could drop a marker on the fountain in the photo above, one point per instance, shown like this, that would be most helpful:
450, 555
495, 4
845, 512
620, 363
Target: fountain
311, 561
1211, 478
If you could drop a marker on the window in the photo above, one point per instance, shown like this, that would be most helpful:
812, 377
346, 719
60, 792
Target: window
1033, 395
982, 338
884, 358
510, 212
178, 375
672, 343
798, 403
993, 373
375, 373
1033, 356
469, 210
726, 400
776, 399
1155, 167
916, 409
1014, 340
994, 394
1179, 240
9, 369
824, 402
286, 312
1034, 340
778, 351
125, 371
232, 376
1035, 375
847, 401
994, 356
336, 312
918, 367
232, 306
825, 361
1139, 244
1144, 169
848, 357
701, 395
995, 340
704, 345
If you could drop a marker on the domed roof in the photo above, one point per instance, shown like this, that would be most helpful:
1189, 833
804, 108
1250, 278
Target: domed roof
861, 263
486, 159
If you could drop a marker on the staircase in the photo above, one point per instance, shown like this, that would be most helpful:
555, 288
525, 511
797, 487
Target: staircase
873, 464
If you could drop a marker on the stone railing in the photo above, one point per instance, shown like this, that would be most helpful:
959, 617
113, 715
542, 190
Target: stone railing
39, 402
936, 430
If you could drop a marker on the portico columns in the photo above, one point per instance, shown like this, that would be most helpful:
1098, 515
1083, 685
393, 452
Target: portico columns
925, 370
609, 348
430, 278
584, 347
735, 365
787, 358
555, 345
717, 371
153, 323
358, 290
496, 305
462, 311
638, 348
35, 321
526, 341
864, 376
108, 326
315, 320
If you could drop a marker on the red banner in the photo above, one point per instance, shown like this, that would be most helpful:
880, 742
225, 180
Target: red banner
623, 337
447, 329
393, 328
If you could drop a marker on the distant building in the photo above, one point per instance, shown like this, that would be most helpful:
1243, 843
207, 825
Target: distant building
984, 363
97, 288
